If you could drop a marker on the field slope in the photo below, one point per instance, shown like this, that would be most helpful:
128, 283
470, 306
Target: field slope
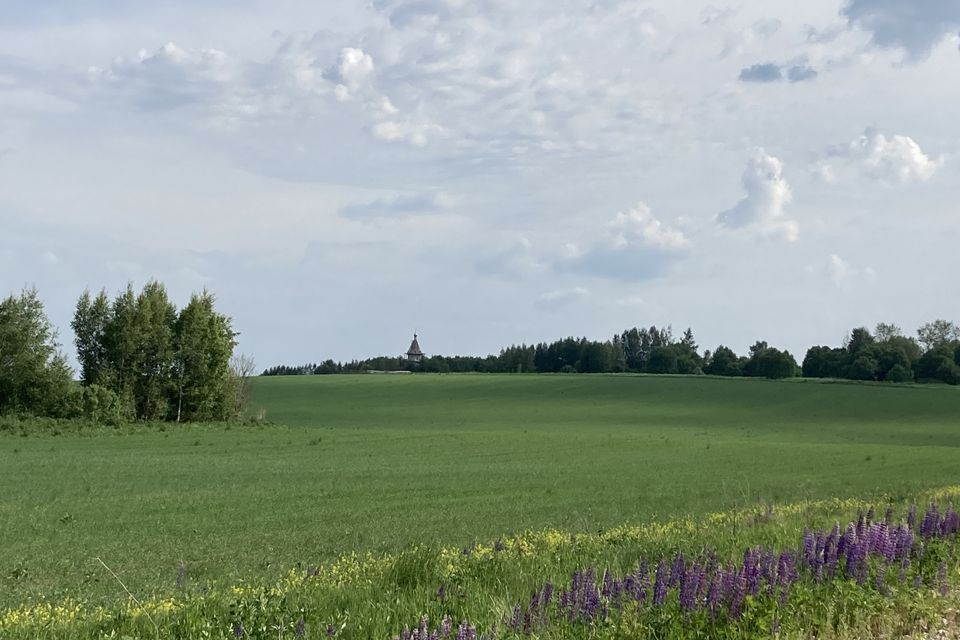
380, 462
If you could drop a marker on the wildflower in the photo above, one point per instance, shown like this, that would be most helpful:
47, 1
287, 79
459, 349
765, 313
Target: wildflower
300, 628
660, 585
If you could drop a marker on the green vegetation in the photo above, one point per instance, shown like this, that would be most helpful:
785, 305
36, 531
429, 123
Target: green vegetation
884, 356
380, 462
139, 359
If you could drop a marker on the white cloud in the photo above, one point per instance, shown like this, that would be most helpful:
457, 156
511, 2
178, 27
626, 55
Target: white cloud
171, 76
561, 298
844, 276
897, 157
351, 71
639, 227
635, 245
50, 258
761, 211
894, 159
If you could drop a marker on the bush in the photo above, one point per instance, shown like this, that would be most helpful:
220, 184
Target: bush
899, 373
99, 405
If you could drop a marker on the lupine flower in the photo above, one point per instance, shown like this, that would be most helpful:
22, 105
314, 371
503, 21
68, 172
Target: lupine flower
238, 631
737, 594
332, 631
676, 570
660, 585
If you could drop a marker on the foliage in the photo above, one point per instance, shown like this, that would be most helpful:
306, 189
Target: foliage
34, 375
161, 364
890, 356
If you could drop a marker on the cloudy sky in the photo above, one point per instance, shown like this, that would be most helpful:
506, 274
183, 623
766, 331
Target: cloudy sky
487, 172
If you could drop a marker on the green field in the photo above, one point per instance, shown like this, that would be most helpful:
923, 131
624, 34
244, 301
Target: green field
356, 463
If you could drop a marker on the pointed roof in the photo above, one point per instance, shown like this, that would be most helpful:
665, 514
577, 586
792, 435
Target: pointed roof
414, 349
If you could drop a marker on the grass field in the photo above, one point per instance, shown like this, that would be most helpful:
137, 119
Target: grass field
357, 463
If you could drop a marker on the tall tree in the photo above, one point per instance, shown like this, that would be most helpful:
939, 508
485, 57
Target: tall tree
34, 376
154, 319
885, 332
723, 362
202, 379
937, 333
89, 325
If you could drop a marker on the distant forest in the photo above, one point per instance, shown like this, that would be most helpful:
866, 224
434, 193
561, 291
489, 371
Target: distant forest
885, 354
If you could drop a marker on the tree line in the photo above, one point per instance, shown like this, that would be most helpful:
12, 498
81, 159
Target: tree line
140, 358
885, 354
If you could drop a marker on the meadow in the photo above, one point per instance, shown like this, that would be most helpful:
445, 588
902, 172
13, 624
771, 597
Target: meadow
382, 465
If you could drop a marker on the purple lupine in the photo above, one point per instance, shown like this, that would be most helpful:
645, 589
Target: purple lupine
300, 629
930, 526
404, 635
660, 584
751, 571
809, 544
332, 631
466, 632
498, 545
715, 593
942, 579
737, 595
689, 585
912, 517
446, 626
607, 583
676, 570
238, 631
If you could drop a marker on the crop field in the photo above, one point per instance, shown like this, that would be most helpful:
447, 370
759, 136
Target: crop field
367, 501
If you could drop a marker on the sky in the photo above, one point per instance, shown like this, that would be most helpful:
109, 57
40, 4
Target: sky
341, 174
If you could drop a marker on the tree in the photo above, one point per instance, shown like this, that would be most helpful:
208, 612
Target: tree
824, 362
204, 383
858, 340
767, 362
723, 362
937, 333
663, 360
34, 376
688, 341
153, 323
886, 331
899, 373
939, 364
89, 327
594, 358
889, 355
863, 367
